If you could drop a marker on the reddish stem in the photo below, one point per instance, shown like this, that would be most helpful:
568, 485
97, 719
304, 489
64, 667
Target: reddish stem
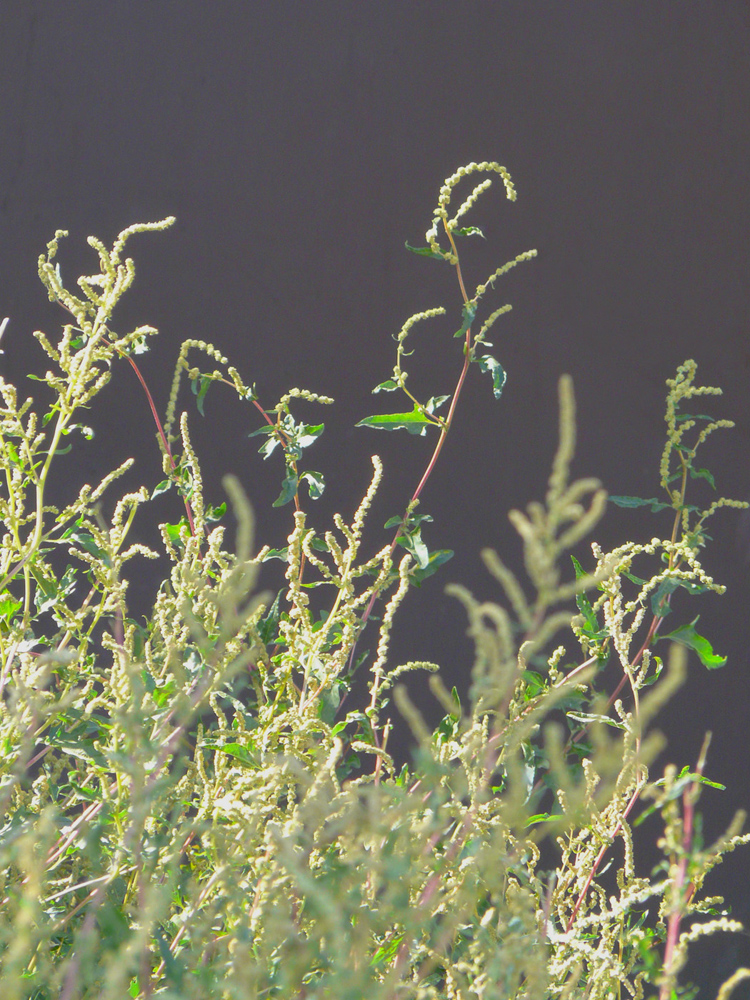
162, 435
673, 927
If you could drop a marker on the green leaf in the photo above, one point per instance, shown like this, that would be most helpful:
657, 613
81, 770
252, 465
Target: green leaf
468, 231
173, 967
235, 750
315, 484
200, 388
660, 598
164, 485
8, 606
468, 313
268, 627
307, 434
282, 554
499, 376
413, 521
425, 252
214, 514
270, 445
415, 422
79, 748
702, 474
434, 403
540, 818
656, 505
587, 718
682, 417
288, 490
687, 636
582, 602
388, 386
434, 561
411, 540
85, 541
684, 780
172, 531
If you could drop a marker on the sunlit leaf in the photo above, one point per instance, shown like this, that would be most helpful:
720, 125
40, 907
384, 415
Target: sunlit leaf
315, 484
288, 490
687, 636
499, 376
415, 422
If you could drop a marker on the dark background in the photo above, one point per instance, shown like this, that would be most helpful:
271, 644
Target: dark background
299, 145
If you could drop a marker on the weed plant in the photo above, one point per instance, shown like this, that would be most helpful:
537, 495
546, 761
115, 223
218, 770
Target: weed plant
197, 806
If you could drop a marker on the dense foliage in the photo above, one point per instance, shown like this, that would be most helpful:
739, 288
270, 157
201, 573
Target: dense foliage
198, 806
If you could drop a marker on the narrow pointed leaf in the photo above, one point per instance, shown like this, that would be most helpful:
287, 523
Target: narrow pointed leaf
656, 505
415, 422
425, 252
687, 636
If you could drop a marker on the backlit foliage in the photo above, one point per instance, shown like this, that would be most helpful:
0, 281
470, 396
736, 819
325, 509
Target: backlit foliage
201, 805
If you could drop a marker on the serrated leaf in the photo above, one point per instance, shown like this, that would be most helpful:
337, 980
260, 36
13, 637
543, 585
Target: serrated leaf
415, 422
499, 376
687, 636
540, 818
